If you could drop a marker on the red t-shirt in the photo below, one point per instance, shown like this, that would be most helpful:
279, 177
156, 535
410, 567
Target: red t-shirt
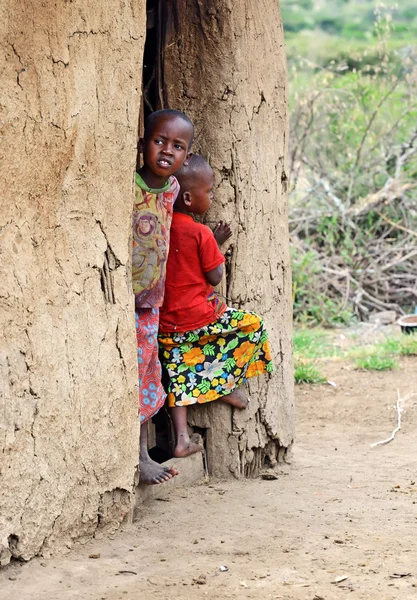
193, 251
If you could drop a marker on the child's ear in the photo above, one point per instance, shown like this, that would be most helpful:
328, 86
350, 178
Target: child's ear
187, 158
141, 145
186, 198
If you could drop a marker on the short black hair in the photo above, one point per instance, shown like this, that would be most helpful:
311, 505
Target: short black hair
186, 173
166, 112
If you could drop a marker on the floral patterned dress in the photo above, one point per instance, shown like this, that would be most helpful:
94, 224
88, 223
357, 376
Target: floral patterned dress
152, 216
210, 362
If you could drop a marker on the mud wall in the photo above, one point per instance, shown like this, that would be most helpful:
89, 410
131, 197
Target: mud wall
225, 67
70, 93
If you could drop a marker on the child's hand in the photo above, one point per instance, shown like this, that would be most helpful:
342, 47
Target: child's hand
222, 232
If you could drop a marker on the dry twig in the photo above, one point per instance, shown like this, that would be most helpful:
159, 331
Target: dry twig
400, 408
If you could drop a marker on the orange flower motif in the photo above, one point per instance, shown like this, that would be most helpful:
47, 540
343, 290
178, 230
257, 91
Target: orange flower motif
267, 349
249, 323
211, 395
171, 399
193, 357
167, 342
255, 368
243, 354
206, 339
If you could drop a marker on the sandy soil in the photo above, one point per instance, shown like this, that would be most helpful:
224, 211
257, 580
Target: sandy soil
340, 510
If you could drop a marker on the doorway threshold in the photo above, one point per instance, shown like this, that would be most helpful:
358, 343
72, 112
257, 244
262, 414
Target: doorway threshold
191, 470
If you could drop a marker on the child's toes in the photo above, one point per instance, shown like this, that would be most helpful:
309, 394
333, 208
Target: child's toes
173, 471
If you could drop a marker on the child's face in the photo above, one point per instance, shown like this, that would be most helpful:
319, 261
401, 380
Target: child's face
166, 146
144, 226
202, 191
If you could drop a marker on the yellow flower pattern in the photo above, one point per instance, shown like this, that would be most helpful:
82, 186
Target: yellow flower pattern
211, 362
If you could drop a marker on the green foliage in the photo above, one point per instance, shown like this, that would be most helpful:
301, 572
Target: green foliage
192, 337
353, 163
311, 304
406, 345
335, 29
229, 364
360, 123
307, 373
312, 344
204, 387
231, 345
376, 362
209, 350
316, 343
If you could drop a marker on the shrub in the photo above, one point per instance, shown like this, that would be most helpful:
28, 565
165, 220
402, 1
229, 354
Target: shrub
353, 172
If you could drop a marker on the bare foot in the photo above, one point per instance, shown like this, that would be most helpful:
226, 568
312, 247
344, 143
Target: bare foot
152, 473
185, 447
237, 398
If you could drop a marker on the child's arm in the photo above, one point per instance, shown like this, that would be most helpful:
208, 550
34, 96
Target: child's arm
214, 276
221, 232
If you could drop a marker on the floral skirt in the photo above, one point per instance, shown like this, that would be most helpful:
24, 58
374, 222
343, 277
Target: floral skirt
212, 361
151, 393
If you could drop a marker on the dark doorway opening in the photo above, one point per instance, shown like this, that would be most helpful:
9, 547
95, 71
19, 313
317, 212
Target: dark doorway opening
159, 22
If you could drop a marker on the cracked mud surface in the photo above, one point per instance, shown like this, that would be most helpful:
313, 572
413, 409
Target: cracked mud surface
341, 509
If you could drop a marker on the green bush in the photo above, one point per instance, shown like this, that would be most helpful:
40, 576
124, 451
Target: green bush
311, 304
359, 16
353, 167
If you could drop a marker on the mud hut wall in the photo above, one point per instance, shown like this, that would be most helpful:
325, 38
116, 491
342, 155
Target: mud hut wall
226, 68
70, 88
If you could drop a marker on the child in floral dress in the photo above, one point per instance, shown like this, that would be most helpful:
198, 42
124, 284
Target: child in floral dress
208, 349
165, 146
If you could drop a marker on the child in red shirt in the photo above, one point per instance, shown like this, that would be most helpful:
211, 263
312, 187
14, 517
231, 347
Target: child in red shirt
208, 349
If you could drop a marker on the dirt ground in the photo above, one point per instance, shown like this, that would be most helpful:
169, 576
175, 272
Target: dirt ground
340, 510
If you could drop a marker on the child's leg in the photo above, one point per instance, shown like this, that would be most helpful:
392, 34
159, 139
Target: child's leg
151, 392
237, 398
151, 472
184, 446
